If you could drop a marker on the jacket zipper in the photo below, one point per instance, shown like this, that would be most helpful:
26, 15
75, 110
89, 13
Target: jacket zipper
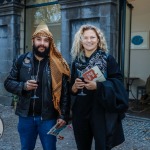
42, 92
42, 100
33, 107
34, 99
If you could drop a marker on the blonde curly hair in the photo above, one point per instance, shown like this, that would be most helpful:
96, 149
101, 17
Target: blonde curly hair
77, 47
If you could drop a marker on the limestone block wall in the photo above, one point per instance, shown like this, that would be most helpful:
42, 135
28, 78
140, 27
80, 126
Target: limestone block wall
101, 13
10, 13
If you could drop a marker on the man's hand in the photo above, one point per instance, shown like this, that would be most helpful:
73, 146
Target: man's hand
60, 123
30, 85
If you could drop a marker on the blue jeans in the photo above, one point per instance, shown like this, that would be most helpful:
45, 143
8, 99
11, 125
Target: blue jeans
30, 127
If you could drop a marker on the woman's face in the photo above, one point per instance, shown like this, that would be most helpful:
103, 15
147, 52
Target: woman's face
89, 41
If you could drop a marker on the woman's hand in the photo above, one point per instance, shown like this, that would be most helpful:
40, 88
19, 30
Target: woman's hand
78, 84
90, 85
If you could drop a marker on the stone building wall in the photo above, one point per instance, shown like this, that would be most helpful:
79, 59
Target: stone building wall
10, 14
101, 13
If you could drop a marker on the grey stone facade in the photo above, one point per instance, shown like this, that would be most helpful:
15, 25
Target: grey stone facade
101, 13
10, 11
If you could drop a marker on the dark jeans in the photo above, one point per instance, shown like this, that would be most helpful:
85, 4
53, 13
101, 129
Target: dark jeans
30, 127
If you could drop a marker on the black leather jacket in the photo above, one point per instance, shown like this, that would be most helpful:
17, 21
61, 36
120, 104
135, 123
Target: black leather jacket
19, 74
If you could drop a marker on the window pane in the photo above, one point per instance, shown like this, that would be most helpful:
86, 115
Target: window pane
32, 2
52, 17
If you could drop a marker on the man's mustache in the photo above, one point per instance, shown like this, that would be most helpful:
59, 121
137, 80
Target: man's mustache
41, 46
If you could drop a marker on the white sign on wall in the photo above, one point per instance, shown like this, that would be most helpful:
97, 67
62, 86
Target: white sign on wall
140, 40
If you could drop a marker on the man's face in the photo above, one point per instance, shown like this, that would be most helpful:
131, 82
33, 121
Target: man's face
41, 46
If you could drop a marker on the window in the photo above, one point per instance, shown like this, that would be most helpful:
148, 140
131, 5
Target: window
42, 10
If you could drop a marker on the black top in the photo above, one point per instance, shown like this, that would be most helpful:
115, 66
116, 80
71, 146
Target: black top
102, 108
36, 105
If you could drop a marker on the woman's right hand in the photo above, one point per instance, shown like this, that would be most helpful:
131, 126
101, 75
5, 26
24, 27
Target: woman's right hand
78, 84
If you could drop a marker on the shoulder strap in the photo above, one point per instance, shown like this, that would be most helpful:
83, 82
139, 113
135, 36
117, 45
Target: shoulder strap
20, 60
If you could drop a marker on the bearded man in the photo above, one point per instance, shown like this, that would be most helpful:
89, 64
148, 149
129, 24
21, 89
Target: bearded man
41, 81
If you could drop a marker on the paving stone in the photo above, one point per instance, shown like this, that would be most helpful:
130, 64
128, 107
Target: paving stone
137, 134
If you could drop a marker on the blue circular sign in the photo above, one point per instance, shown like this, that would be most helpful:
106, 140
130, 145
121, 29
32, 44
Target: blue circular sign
137, 40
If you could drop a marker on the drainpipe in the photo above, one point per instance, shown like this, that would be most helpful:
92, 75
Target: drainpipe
129, 47
121, 42
25, 27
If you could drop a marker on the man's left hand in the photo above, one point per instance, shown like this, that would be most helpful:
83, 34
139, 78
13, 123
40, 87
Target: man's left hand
60, 123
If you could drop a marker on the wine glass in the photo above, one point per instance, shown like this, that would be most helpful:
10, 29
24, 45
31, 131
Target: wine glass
79, 73
34, 77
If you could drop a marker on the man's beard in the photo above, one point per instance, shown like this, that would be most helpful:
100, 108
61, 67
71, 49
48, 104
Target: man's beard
41, 54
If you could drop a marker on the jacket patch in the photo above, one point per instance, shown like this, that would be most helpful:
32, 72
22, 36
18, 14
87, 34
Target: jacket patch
26, 60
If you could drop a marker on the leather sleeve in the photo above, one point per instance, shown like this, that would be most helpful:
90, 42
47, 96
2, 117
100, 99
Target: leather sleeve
65, 99
12, 83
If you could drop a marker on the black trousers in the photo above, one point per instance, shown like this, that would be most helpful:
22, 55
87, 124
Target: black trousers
85, 129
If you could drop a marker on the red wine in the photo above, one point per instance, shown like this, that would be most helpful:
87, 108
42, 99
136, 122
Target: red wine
81, 78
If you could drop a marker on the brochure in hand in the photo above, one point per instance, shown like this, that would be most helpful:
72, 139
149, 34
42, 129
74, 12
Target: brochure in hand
55, 130
94, 74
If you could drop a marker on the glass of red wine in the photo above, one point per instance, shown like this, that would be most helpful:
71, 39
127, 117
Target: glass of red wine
35, 77
79, 73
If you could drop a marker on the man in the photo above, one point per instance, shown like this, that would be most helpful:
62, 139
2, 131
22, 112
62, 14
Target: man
52, 102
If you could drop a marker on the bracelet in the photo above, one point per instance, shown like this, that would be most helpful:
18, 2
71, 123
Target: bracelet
25, 86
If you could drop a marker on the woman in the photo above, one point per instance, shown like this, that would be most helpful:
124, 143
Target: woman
98, 113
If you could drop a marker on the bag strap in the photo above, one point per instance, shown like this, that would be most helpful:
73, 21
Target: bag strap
21, 59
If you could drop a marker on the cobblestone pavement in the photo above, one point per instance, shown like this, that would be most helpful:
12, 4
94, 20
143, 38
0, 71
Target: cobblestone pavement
137, 133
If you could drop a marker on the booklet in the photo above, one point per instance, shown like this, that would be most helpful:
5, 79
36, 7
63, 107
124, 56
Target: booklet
55, 130
94, 74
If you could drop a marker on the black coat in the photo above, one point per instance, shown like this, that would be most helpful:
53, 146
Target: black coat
104, 107
20, 73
